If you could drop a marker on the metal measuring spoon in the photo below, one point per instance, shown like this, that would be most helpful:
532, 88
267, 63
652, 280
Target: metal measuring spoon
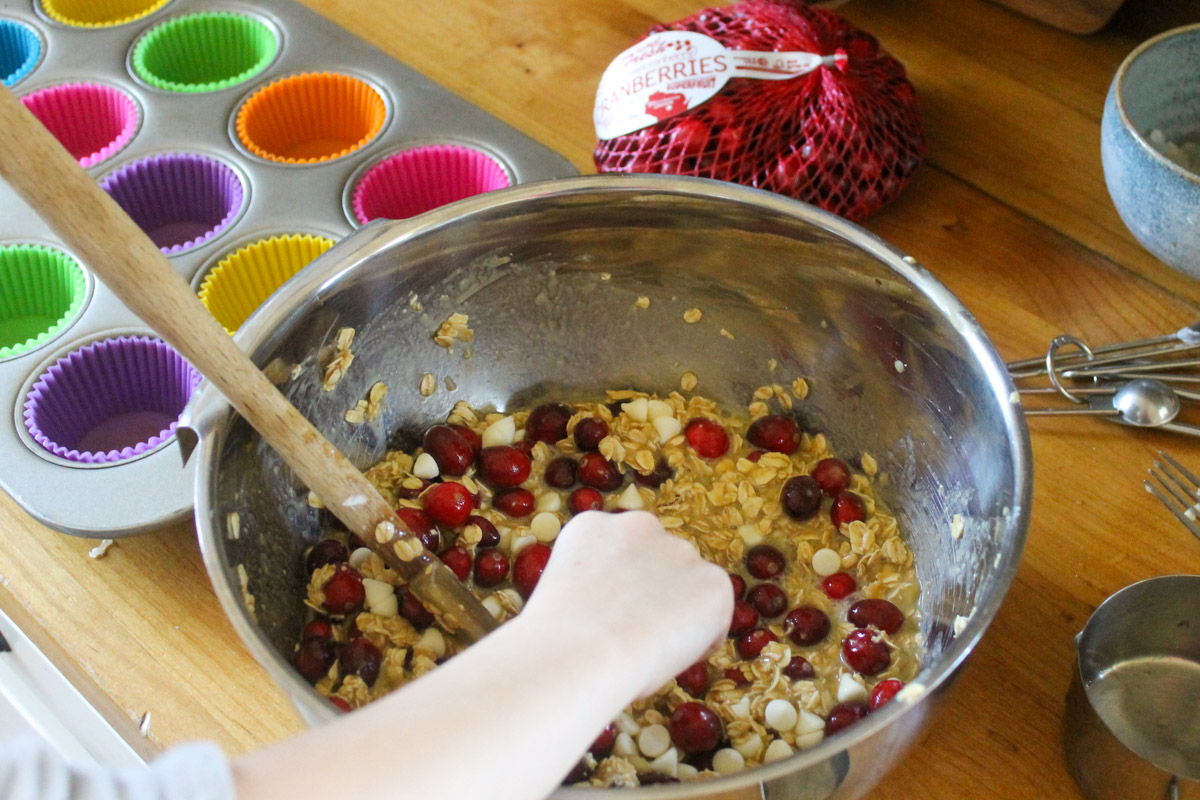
1145, 403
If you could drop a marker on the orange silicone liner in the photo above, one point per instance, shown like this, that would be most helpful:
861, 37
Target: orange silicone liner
311, 117
99, 13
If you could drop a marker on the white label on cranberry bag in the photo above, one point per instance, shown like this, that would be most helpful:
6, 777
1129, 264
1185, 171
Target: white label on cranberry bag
667, 73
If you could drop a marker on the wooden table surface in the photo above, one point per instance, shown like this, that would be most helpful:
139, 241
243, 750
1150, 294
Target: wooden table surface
1010, 211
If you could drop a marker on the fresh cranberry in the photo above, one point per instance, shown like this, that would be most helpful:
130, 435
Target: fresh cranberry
515, 502
560, 473
414, 611
866, 652
589, 432
317, 629
449, 503
694, 679
883, 693
341, 703
806, 625
798, 669
832, 475
661, 474
459, 562
764, 562
585, 499
847, 507
473, 438
695, 728
547, 423
604, 742
360, 657
450, 449
744, 618
707, 437
736, 675
880, 613
755, 456
843, 715
739, 586
839, 585
598, 472
314, 658
801, 497
578, 774
491, 567
751, 643
776, 433
344, 591
412, 493
488, 535
503, 466
528, 567
326, 551
421, 525
768, 600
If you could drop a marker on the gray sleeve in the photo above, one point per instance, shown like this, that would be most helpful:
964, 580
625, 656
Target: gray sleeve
31, 770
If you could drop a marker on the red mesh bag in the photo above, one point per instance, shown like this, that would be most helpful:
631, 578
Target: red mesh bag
845, 138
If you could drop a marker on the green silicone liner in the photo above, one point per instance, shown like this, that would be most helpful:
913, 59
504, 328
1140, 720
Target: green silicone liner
204, 52
42, 291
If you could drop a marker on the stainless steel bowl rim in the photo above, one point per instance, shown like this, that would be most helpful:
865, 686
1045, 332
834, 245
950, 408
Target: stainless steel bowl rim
208, 407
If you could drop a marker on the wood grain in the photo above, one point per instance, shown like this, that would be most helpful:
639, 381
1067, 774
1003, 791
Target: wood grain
1010, 212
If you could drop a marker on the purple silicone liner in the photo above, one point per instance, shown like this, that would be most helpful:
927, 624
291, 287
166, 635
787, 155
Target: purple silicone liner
424, 178
181, 200
91, 120
127, 392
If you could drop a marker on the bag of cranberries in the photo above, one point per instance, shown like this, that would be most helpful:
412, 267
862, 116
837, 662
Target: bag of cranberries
768, 93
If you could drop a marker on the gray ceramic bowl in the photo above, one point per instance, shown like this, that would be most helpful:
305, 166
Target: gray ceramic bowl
1156, 88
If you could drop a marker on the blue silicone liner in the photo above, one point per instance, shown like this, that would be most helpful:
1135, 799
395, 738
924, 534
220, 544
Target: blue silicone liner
20, 49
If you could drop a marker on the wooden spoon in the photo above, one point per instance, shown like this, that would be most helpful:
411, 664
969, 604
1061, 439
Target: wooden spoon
91, 223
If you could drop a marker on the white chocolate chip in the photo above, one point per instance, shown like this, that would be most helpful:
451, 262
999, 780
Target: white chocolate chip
777, 750
627, 724
826, 561
380, 598
750, 746
493, 606
630, 500
657, 408
727, 761
432, 642
500, 432
750, 534
807, 723
545, 526
810, 739
741, 709
667, 763
637, 410
850, 689
781, 714
425, 467
654, 740
624, 746
910, 693
550, 501
519, 543
686, 772
899, 365
667, 427
359, 556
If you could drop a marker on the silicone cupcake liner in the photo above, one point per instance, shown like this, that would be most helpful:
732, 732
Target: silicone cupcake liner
99, 13
310, 118
417, 180
204, 52
109, 401
244, 279
20, 49
92, 121
179, 200
42, 291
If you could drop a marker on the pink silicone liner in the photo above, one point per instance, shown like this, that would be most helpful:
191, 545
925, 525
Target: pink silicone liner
423, 178
91, 121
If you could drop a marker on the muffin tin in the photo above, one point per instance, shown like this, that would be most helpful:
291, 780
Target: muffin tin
245, 140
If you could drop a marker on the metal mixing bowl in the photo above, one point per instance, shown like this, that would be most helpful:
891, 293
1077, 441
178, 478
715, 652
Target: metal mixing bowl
548, 274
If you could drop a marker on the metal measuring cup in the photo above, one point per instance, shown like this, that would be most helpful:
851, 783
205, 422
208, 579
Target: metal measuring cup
1132, 724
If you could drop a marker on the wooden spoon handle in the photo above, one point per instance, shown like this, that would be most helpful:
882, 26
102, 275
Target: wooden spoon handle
91, 223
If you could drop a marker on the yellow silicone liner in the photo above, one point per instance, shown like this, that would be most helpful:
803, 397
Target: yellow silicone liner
246, 277
99, 13
311, 117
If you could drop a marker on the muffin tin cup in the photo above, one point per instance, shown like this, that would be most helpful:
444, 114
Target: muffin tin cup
420, 179
92, 121
99, 13
242, 280
181, 200
20, 51
42, 291
310, 118
109, 401
204, 52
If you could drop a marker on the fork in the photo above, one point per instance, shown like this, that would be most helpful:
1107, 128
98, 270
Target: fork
1180, 498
